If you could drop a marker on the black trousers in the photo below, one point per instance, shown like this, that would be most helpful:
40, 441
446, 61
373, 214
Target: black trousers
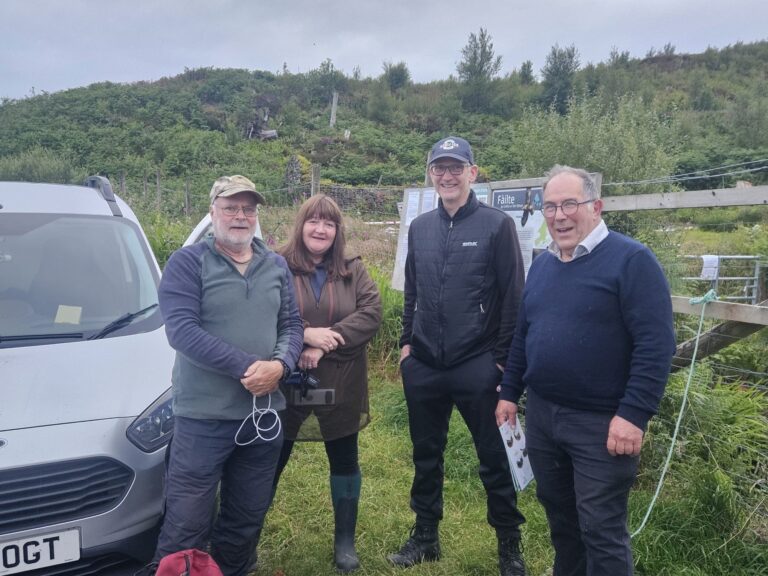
583, 489
431, 395
342, 456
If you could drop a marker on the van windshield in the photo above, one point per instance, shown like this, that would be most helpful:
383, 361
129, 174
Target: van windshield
62, 275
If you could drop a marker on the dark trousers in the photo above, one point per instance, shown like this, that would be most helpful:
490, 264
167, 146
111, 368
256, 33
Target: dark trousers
431, 395
202, 454
583, 489
342, 456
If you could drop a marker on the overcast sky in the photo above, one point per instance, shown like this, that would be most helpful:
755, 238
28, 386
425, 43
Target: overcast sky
52, 45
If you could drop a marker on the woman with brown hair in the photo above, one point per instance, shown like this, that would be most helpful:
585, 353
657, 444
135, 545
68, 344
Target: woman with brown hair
341, 309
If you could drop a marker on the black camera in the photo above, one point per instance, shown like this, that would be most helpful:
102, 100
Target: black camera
302, 380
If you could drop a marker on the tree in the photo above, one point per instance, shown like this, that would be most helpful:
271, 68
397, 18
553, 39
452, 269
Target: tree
749, 118
40, 165
477, 68
478, 62
668, 51
526, 73
324, 80
558, 73
628, 141
396, 76
381, 104
702, 96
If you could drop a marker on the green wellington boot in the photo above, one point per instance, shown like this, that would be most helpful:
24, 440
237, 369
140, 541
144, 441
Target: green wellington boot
345, 493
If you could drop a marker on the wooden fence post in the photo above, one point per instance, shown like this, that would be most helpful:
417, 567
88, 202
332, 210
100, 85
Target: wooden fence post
334, 105
187, 207
158, 194
315, 182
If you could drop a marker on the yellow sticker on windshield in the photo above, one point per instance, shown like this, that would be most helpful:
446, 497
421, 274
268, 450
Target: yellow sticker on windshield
68, 314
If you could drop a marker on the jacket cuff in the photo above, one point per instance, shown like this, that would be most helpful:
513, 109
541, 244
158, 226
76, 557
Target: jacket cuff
509, 394
634, 415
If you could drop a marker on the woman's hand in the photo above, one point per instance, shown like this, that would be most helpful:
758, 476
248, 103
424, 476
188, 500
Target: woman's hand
310, 358
323, 338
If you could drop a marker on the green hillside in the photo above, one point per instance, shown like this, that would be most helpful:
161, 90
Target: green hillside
628, 118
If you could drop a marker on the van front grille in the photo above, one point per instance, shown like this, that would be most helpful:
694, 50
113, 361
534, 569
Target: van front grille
59, 492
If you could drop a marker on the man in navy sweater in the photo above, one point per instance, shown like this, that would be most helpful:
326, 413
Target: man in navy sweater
593, 346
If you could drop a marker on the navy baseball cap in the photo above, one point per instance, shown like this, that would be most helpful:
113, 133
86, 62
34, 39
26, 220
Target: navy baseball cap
452, 147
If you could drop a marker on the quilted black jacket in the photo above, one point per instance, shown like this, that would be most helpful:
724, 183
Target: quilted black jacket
463, 283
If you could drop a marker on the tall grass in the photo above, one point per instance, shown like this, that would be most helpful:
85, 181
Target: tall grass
384, 350
712, 516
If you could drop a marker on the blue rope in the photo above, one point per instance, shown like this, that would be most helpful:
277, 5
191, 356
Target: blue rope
708, 297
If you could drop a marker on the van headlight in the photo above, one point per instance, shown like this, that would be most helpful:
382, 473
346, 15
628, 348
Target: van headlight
153, 428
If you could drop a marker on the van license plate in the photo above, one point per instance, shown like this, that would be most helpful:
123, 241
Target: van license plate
39, 551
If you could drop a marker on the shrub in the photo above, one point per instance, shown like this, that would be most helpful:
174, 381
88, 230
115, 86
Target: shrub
385, 348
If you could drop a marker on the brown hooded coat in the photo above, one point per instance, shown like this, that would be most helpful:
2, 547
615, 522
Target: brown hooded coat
351, 307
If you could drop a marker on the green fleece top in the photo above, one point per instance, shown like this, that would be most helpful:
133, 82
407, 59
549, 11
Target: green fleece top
220, 322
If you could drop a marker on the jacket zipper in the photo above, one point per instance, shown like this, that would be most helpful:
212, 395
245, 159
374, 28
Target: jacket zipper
442, 288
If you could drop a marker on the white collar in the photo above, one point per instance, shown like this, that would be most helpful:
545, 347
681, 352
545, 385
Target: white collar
598, 234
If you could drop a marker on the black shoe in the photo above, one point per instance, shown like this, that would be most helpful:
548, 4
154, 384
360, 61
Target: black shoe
422, 546
511, 556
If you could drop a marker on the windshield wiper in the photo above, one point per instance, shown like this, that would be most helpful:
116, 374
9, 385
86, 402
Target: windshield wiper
121, 322
17, 337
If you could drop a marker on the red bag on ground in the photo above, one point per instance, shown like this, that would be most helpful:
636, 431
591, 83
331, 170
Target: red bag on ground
188, 563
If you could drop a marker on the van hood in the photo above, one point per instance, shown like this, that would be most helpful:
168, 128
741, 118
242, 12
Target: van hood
115, 377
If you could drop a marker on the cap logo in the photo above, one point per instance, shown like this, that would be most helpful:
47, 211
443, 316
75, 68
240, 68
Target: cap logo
449, 145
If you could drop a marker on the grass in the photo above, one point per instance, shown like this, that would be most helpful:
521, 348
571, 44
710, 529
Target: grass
696, 241
705, 523
298, 537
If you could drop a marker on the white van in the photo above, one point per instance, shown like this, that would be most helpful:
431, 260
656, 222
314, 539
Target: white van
85, 368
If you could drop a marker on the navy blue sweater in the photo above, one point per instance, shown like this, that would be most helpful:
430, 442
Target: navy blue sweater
595, 333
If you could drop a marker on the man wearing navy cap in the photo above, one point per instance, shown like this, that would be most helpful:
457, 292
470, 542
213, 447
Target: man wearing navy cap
463, 284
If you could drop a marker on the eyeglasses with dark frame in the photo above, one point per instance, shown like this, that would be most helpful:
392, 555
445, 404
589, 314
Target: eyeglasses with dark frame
454, 169
232, 211
569, 207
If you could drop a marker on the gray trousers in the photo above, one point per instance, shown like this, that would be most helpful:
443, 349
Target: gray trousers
203, 454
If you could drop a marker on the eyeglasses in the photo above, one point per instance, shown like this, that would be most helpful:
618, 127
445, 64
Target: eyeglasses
232, 211
568, 207
454, 169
